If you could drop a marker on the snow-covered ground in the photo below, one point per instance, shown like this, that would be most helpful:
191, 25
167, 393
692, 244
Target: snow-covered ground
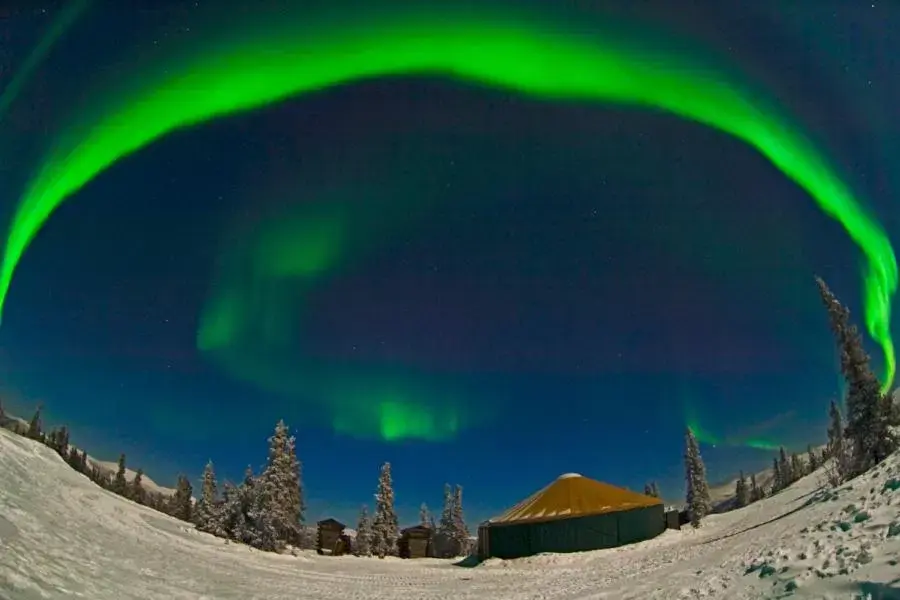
63, 537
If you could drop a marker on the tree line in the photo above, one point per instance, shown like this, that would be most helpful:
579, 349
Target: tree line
855, 445
265, 510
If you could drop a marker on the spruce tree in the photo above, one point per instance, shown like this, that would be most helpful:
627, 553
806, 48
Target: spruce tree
893, 408
868, 411
778, 480
654, 489
232, 522
424, 515
280, 493
205, 511
648, 491
460, 530
812, 459
120, 483
385, 526
798, 469
181, 504
784, 467
138, 494
444, 530
698, 500
246, 496
35, 430
364, 533
741, 492
62, 441
839, 469
755, 492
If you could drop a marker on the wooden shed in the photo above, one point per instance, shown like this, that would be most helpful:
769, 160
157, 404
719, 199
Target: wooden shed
415, 542
673, 520
328, 536
483, 546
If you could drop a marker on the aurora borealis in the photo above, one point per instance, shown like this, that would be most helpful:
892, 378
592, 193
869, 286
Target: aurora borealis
296, 293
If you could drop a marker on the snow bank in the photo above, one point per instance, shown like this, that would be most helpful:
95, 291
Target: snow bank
63, 537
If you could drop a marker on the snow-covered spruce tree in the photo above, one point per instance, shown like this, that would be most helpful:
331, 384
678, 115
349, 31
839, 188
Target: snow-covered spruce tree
264, 531
35, 428
893, 408
298, 501
784, 468
73, 458
812, 459
424, 515
363, 545
756, 493
741, 492
231, 513
136, 490
443, 539
59, 441
180, 504
868, 410
460, 530
236, 516
698, 500
280, 499
119, 483
385, 526
837, 459
445, 525
777, 476
654, 489
798, 469
206, 509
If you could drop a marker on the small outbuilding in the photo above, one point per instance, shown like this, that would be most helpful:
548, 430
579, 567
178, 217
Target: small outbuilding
415, 542
673, 519
329, 536
572, 514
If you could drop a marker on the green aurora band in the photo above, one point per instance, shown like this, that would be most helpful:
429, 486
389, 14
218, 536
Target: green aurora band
528, 53
61, 24
251, 323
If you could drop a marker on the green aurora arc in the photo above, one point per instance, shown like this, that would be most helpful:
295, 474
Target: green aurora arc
61, 24
524, 52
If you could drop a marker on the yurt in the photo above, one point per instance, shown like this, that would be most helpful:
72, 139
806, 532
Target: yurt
572, 514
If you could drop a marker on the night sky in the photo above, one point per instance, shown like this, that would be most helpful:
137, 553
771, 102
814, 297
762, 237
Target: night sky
524, 286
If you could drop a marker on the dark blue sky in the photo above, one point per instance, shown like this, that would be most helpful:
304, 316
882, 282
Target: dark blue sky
598, 272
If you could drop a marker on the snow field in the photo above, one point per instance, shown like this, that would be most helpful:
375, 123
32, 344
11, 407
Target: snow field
63, 537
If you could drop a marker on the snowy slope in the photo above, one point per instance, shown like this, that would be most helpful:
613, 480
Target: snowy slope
147, 483
722, 495
63, 537
19, 424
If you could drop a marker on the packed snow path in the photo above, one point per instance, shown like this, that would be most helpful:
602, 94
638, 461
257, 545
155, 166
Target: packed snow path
63, 537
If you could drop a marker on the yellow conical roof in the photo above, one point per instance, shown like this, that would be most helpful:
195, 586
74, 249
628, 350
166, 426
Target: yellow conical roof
573, 495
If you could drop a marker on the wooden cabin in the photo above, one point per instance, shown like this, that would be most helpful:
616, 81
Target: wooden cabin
415, 542
330, 537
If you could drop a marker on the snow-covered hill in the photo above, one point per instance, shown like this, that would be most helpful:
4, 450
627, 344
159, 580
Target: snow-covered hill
722, 495
20, 425
147, 483
63, 537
